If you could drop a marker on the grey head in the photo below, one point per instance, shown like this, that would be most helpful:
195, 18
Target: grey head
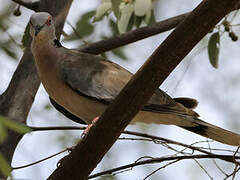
42, 23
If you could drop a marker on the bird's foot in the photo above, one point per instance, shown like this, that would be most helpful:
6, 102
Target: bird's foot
85, 132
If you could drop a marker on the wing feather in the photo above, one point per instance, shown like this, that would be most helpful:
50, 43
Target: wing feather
98, 78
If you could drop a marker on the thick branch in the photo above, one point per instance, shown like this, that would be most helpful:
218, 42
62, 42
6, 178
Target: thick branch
27, 4
133, 36
88, 153
17, 100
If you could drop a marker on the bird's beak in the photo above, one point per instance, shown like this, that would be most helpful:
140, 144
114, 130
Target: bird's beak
37, 29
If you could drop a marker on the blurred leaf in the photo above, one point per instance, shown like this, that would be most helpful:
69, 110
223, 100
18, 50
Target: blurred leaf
130, 23
3, 133
126, 13
7, 50
104, 55
48, 106
213, 49
138, 21
17, 11
102, 10
141, 7
15, 126
4, 16
7, 47
107, 177
71, 37
83, 27
113, 27
26, 36
119, 53
149, 17
5, 168
115, 6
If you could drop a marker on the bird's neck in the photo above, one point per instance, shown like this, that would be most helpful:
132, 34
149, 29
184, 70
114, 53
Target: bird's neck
46, 55
43, 39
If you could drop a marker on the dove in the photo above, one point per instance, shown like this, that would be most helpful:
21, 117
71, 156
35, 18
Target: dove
82, 86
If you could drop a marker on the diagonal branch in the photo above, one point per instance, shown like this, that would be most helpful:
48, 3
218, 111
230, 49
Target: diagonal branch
27, 4
133, 36
89, 152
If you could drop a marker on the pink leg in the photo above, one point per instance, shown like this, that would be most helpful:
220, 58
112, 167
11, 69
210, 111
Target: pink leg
85, 132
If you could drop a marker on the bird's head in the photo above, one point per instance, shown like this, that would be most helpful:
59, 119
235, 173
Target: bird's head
41, 24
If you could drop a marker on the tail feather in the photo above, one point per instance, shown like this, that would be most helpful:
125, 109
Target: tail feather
190, 123
213, 132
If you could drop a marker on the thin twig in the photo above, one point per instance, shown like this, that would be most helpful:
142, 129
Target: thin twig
133, 36
218, 149
153, 138
135, 139
159, 160
76, 32
50, 128
215, 162
41, 160
227, 176
156, 138
235, 171
160, 169
203, 169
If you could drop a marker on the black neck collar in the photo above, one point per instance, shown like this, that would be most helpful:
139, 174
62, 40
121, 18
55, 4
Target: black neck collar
57, 43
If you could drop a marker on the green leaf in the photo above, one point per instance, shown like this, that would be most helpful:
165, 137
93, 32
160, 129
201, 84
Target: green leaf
102, 10
213, 49
120, 53
48, 106
26, 36
4, 16
15, 126
113, 27
115, 6
3, 133
130, 23
141, 7
7, 47
7, 50
83, 27
72, 37
104, 55
138, 21
126, 13
149, 17
5, 168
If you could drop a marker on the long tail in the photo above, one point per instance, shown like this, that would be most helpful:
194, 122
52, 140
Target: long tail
189, 123
211, 131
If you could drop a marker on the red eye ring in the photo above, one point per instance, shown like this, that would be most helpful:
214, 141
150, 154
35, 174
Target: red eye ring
49, 21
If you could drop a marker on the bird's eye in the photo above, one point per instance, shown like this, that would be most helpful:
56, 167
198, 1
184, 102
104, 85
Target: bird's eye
49, 21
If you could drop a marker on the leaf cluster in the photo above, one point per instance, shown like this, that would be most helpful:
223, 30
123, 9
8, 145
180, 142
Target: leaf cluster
129, 13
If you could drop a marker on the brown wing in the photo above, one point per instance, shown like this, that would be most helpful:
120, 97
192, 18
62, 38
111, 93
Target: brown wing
93, 76
101, 79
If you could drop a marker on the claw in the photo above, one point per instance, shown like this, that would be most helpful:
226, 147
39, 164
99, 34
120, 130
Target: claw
85, 132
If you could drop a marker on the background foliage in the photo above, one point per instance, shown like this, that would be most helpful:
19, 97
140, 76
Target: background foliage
217, 90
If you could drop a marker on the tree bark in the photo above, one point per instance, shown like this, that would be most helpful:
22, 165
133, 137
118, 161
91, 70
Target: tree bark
89, 152
16, 101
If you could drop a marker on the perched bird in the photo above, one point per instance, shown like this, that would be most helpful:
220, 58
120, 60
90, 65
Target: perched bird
81, 86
